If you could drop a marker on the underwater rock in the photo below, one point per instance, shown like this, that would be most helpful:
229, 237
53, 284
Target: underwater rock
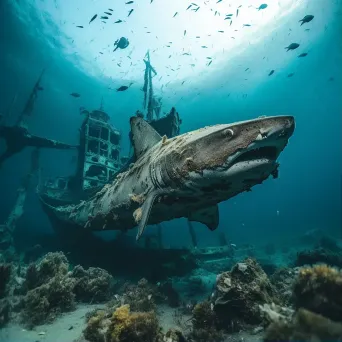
205, 324
173, 298
123, 326
5, 308
141, 297
283, 280
240, 292
42, 304
304, 326
329, 243
174, 335
319, 255
319, 290
5, 274
92, 285
52, 265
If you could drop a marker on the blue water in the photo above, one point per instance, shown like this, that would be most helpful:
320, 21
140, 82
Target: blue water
307, 194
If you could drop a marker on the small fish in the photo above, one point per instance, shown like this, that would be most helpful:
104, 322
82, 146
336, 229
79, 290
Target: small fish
307, 29
304, 54
175, 14
101, 53
306, 19
197, 9
188, 7
231, 23
209, 63
118, 21
186, 54
271, 73
93, 18
79, 26
122, 88
209, 58
291, 74
204, 47
182, 82
110, 9
108, 13
237, 12
184, 32
261, 7
71, 327
104, 17
292, 46
130, 12
129, 2
247, 69
247, 25
221, 31
219, 1
75, 94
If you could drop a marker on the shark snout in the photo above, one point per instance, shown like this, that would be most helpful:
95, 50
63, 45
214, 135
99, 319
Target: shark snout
282, 128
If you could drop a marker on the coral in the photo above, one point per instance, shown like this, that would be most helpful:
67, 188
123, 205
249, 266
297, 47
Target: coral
304, 326
5, 274
5, 309
52, 264
240, 292
319, 255
96, 327
123, 326
129, 327
318, 289
171, 294
140, 297
92, 285
42, 304
205, 323
283, 280
174, 335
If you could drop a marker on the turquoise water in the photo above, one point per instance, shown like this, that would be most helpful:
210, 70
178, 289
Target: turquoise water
307, 194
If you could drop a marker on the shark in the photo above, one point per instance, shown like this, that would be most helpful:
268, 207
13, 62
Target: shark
185, 176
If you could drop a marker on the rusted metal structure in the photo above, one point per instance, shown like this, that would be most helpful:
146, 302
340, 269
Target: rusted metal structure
99, 159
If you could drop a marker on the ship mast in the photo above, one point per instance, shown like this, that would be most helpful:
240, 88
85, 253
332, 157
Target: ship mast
148, 87
28, 109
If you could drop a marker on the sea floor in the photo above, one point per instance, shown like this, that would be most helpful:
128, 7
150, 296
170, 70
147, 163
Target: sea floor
69, 326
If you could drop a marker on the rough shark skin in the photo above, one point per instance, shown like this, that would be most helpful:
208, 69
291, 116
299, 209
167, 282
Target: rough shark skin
186, 176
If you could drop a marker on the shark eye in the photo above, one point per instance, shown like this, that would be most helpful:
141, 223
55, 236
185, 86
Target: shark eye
228, 132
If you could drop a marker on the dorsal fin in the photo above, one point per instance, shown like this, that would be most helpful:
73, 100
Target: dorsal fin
144, 136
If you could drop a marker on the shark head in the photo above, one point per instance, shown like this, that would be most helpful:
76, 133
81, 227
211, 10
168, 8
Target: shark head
227, 159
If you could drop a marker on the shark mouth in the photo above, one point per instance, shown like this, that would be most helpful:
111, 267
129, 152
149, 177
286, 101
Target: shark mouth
266, 152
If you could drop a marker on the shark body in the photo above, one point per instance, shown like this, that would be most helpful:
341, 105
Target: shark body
186, 176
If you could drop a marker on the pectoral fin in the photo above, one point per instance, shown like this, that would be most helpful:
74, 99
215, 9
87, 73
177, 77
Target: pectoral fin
208, 216
145, 212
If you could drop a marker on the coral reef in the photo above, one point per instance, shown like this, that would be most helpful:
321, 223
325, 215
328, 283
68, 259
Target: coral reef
304, 326
171, 294
123, 326
141, 297
174, 335
49, 289
92, 285
319, 255
45, 302
5, 274
317, 289
240, 292
283, 280
5, 309
205, 324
